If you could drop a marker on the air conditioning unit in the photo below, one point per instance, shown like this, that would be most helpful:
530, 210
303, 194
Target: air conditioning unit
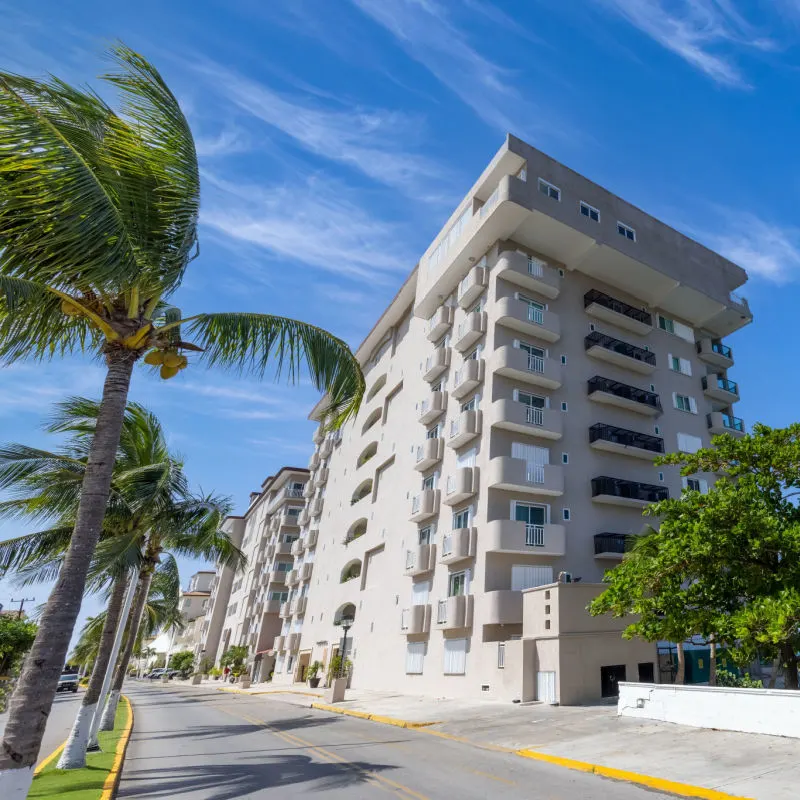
565, 577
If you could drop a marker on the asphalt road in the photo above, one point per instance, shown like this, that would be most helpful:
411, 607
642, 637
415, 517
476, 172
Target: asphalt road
59, 723
197, 744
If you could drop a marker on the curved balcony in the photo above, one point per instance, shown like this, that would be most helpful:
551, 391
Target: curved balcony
454, 613
528, 320
472, 286
276, 576
306, 570
272, 606
438, 325
428, 453
311, 538
464, 428
416, 621
719, 423
529, 273
467, 378
513, 536
503, 607
292, 577
293, 642
715, 353
513, 362
517, 475
425, 505
546, 423
623, 395
320, 478
469, 331
313, 462
298, 547
437, 363
432, 407
719, 388
460, 486
458, 545
617, 491
620, 353
299, 606
283, 548
315, 507
420, 559
625, 442
279, 643
285, 610
326, 448
604, 307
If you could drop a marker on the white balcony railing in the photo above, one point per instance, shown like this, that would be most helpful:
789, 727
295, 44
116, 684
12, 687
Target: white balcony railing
405, 618
411, 559
535, 315
441, 612
534, 535
489, 204
535, 363
447, 544
534, 415
415, 503
534, 473
451, 484
535, 267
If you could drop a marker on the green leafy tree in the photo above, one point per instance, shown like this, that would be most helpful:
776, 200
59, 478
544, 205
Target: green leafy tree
98, 224
16, 638
183, 661
234, 657
726, 564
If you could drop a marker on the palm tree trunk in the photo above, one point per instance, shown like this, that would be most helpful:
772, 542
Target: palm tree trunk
74, 754
33, 696
712, 662
680, 676
110, 710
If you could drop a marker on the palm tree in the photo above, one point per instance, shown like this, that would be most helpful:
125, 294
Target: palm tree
149, 491
98, 223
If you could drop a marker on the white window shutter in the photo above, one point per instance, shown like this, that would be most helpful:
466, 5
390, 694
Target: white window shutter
685, 482
455, 656
703, 486
516, 343
674, 399
517, 296
516, 395
669, 360
686, 366
684, 331
415, 655
693, 405
420, 592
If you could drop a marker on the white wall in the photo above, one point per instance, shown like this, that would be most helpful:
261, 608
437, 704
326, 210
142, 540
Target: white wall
770, 711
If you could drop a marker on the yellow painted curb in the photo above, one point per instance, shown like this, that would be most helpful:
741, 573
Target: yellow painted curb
267, 691
660, 784
348, 712
113, 777
55, 754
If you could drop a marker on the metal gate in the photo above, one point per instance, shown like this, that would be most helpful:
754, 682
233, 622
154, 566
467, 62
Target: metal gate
546, 687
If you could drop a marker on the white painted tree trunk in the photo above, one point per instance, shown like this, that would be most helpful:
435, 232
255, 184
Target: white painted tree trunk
74, 755
110, 711
15, 783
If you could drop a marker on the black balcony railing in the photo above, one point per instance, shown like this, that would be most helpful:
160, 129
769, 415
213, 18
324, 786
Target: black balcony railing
633, 490
719, 348
613, 543
624, 390
714, 381
728, 421
611, 303
618, 346
610, 433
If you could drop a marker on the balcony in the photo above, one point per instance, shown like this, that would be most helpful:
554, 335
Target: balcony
425, 505
292, 577
517, 475
283, 548
464, 428
719, 423
720, 389
285, 610
432, 407
303, 517
458, 545
430, 452
272, 606
311, 538
416, 621
438, 325
437, 363
461, 486
298, 547
326, 448
625, 442
320, 477
287, 520
547, 423
529, 273
276, 576
513, 536
469, 331
528, 320
319, 434
619, 492
621, 354
622, 395
308, 490
293, 642
306, 570
612, 545
299, 606
503, 607
420, 559
467, 378
279, 643
513, 362
313, 462
454, 613
315, 507
604, 307
714, 352
472, 286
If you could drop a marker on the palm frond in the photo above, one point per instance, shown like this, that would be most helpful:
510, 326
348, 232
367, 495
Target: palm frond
250, 343
35, 547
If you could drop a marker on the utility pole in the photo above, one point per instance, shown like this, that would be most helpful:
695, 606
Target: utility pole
22, 604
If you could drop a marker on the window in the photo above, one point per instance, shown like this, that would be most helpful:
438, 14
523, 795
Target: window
626, 231
429, 482
682, 365
455, 656
565, 514
676, 328
474, 355
471, 404
661, 476
564, 360
476, 309
547, 188
433, 433
683, 402
457, 585
695, 485
415, 654
656, 430
688, 443
563, 406
590, 211
437, 387
461, 519
565, 458
426, 534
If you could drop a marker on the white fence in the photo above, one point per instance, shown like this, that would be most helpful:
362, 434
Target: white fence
771, 711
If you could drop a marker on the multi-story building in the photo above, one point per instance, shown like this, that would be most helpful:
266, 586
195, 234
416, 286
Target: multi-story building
551, 342
246, 603
194, 604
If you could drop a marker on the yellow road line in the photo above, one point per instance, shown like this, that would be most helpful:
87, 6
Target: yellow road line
55, 754
493, 777
113, 777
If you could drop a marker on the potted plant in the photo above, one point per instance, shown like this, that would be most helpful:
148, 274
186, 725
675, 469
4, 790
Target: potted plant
313, 674
215, 673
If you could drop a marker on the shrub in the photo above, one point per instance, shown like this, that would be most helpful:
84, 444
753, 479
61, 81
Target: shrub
730, 679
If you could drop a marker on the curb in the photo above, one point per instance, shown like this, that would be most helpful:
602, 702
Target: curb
651, 782
398, 723
267, 691
113, 778
55, 754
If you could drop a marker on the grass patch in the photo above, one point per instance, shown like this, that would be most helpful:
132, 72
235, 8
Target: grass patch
86, 783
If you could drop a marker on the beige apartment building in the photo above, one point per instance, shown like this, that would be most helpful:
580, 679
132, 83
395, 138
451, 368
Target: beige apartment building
194, 605
245, 604
552, 340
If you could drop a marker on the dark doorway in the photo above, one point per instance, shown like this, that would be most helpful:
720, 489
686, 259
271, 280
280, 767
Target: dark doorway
647, 672
610, 678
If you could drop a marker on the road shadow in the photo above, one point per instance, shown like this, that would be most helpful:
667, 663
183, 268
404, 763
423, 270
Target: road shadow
218, 781
307, 721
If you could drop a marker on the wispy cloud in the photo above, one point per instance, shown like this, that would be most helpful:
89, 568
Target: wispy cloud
313, 222
426, 30
228, 141
699, 31
377, 142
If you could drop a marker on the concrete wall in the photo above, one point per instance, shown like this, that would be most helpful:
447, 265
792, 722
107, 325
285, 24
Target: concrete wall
771, 711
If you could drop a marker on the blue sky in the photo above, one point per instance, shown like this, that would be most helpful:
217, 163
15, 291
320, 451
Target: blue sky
336, 136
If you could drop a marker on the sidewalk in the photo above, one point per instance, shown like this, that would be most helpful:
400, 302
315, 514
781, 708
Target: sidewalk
738, 764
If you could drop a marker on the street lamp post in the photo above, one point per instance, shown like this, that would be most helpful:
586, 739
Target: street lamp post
346, 623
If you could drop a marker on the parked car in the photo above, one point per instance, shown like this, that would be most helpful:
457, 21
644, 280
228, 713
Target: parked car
156, 673
68, 682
